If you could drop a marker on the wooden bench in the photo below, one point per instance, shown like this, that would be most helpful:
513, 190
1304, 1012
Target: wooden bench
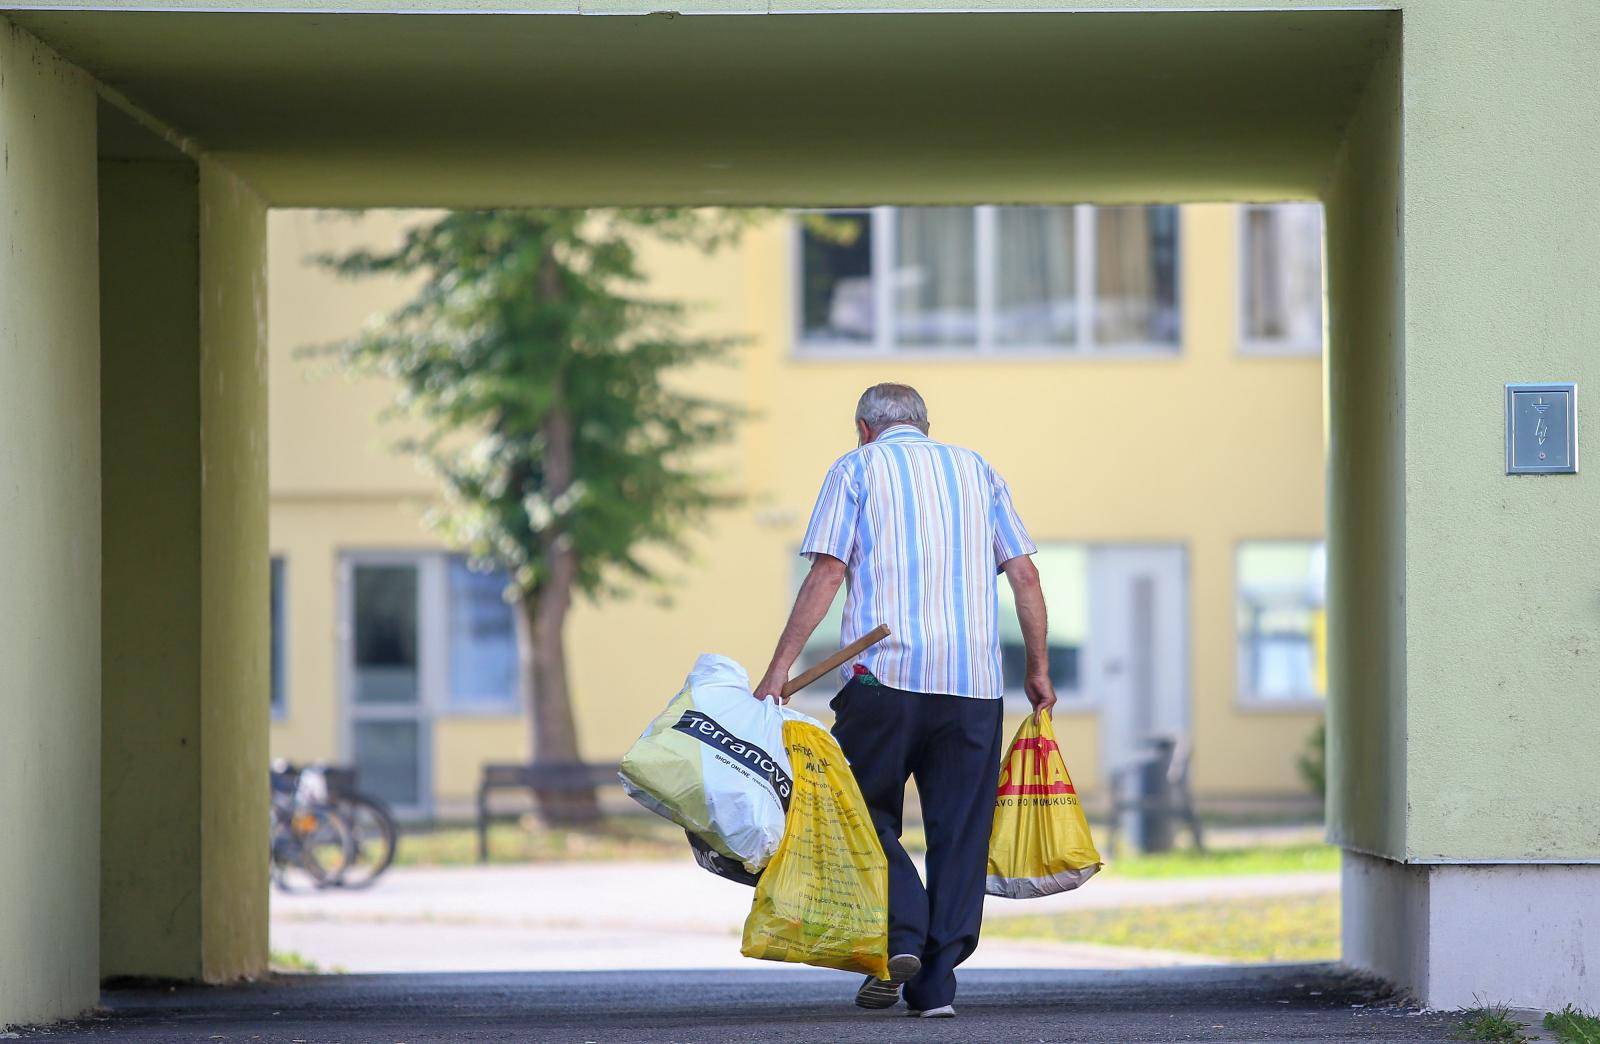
532, 778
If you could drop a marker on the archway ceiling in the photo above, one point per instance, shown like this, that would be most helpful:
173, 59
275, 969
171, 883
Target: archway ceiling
474, 109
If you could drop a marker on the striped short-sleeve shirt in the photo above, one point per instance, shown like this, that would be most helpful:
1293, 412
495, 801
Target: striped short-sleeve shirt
923, 528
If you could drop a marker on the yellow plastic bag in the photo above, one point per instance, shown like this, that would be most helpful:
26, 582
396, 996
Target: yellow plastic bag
824, 897
1040, 843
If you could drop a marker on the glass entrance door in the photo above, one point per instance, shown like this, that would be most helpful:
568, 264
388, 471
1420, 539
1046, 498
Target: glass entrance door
387, 733
1139, 647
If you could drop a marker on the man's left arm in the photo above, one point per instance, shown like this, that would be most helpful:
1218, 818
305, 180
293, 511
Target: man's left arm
810, 606
1028, 594
1012, 548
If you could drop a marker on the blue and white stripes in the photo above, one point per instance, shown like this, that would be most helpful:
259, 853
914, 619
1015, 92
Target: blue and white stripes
923, 527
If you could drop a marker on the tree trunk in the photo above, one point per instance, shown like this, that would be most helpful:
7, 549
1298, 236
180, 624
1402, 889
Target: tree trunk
541, 648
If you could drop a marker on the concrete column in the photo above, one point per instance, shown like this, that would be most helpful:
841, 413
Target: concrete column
235, 589
1466, 601
186, 595
150, 429
49, 537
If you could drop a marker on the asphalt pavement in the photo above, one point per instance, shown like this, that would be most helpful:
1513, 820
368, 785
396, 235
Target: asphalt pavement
1282, 1003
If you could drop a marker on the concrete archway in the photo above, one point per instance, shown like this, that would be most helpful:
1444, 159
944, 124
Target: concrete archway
1446, 139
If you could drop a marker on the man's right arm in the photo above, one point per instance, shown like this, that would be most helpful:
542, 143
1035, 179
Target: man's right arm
810, 606
829, 537
1028, 593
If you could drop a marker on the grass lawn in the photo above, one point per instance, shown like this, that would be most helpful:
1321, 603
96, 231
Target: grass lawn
1292, 928
618, 838
645, 837
1221, 862
289, 962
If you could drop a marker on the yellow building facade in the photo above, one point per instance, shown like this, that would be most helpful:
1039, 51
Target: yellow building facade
1149, 381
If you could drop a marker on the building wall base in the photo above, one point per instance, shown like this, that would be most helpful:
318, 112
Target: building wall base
1457, 935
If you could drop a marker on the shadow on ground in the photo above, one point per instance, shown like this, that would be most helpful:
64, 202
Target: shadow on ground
1272, 1003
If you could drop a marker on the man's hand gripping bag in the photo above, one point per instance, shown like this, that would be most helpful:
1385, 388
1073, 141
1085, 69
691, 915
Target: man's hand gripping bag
1040, 843
824, 898
713, 762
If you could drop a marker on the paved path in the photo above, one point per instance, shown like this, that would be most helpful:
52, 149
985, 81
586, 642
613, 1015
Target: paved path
649, 915
1276, 1004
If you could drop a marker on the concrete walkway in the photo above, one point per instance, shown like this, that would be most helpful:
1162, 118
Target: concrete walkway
651, 915
1276, 1004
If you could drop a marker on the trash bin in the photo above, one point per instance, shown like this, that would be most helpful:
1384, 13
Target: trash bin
1154, 830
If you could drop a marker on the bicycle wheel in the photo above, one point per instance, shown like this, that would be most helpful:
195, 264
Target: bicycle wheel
373, 837
313, 850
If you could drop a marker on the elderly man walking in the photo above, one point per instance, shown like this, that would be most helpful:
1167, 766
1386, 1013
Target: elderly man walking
920, 529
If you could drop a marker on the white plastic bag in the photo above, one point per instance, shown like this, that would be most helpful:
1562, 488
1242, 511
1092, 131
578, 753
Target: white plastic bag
714, 763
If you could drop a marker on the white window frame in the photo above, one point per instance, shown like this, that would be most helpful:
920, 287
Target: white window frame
1276, 346
1247, 700
986, 263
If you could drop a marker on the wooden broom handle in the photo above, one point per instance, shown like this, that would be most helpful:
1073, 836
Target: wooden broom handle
837, 660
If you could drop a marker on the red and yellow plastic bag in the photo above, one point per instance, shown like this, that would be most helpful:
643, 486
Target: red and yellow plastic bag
824, 897
1040, 842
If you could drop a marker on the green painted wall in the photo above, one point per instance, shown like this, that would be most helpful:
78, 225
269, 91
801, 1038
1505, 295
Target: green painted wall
151, 610
234, 585
1502, 265
49, 537
1366, 478
185, 610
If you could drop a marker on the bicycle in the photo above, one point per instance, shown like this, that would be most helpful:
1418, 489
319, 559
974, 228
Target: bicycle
373, 833
308, 837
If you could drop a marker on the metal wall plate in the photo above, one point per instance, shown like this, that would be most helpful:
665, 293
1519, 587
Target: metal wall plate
1542, 428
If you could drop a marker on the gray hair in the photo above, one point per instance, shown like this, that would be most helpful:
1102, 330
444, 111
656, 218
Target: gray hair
883, 405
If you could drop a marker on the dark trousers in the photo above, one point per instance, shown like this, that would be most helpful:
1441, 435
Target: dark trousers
951, 746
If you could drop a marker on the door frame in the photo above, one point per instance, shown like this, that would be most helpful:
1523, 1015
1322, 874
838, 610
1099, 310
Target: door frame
431, 664
1101, 648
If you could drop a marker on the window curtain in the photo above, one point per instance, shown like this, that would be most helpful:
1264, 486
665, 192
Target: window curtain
935, 276
1283, 274
1265, 318
1136, 275
1035, 293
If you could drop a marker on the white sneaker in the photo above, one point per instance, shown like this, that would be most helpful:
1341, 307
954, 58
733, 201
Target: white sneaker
943, 1011
885, 993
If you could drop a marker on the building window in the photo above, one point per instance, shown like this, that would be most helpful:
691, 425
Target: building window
1282, 621
276, 666
483, 644
1135, 275
935, 277
1064, 572
1280, 278
836, 291
1036, 276
386, 598
1033, 279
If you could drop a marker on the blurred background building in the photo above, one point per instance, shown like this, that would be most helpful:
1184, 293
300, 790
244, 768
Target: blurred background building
1148, 379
